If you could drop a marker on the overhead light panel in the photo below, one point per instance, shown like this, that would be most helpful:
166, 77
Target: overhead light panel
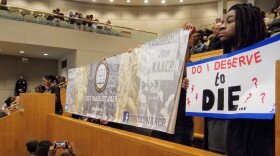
46, 54
128, 1
111, 1
163, 1
22, 52
181, 1
145, 1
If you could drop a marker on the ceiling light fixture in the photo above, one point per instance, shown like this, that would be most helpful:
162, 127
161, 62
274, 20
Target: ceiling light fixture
145, 1
128, 1
163, 1
22, 52
111, 0
181, 1
46, 54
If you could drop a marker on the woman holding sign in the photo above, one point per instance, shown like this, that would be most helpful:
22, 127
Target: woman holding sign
243, 26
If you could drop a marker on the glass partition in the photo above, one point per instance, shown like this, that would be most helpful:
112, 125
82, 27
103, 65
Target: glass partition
74, 22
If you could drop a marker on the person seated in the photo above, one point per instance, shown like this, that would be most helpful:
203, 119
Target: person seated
66, 146
275, 9
108, 26
40, 89
4, 2
198, 45
274, 27
90, 19
43, 148
95, 24
215, 42
32, 146
8, 103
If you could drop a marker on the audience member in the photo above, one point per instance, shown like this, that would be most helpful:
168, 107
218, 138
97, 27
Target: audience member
274, 27
108, 26
32, 146
215, 42
21, 85
67, 148
275, 8
8, 103
4, 2
198, 46
63, 79
40, 89
57, 79
43, 148
49, 82
243, 26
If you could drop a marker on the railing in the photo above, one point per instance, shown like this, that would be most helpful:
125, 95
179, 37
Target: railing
79, 24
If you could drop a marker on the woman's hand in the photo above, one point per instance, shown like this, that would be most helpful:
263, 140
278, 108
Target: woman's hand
185, 83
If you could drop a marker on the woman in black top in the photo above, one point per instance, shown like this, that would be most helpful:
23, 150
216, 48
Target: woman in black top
243, 26
48, 81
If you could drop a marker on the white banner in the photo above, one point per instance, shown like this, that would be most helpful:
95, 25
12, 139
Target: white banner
236, 85
138, 88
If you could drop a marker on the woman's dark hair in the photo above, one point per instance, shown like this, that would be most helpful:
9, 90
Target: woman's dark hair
250, 27
9, 101
51, 78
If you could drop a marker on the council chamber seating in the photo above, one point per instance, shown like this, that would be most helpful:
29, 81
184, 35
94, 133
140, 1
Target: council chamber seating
38, 121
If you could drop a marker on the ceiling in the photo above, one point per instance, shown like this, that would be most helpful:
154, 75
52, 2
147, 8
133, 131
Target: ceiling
34, 51
150, 2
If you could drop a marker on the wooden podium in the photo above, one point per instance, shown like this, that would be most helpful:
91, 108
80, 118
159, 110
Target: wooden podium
30, 123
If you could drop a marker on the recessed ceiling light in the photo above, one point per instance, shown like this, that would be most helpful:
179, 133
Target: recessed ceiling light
181, 1
163, 1
111, 0
93, 0
145, 1
22, 52
128, 1
46, 54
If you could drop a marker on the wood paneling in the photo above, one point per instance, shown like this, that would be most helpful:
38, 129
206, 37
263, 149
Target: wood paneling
205, 55
97, 140
277, 113
63, 101
11, 132
36, 108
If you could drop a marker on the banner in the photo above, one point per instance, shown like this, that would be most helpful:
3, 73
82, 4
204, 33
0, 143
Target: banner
137, 88
236, 85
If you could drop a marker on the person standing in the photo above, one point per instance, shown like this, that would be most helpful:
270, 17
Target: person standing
21, 85
48, 81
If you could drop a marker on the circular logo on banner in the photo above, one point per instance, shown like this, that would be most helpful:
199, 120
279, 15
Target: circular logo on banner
101, 76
